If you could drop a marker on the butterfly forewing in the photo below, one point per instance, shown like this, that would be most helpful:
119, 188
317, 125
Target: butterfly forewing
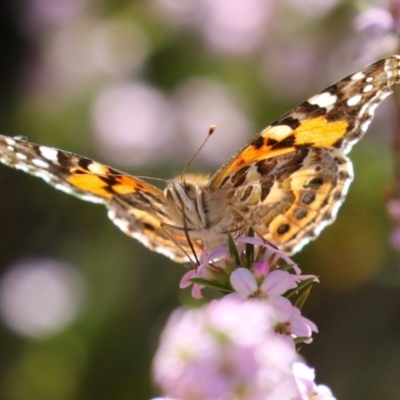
294, 175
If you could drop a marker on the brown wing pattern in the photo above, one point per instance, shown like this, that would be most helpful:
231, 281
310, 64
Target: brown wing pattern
294, 175
136, 207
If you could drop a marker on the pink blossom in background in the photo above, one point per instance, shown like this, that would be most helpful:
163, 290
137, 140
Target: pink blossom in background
375, 21
126, 119
381, 28
231, 27
42, 14
236, 27
88, 51
40, 297
203, 102
278, 64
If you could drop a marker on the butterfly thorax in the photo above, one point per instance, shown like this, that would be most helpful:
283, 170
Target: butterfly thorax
193, 207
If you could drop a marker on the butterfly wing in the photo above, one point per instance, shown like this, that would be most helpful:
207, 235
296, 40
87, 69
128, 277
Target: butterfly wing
136, 207
294, 175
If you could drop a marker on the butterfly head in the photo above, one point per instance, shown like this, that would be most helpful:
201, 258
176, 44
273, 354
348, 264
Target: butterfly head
185, 196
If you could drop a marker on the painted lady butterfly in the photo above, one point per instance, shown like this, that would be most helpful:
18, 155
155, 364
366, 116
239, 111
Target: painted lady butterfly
287, 183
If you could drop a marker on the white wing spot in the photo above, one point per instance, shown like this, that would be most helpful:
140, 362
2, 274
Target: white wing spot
21, 156
40, 163
278, 132
11, 148
9, 141
369, 79
97, 168
352, 101
368, 88
323, 100
358, 76
49, 153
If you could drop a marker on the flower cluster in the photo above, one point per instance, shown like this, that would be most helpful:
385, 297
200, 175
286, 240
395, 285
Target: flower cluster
229, 350
244, 345
253, 269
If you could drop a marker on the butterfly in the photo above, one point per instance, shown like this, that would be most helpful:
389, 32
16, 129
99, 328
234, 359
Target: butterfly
287, 183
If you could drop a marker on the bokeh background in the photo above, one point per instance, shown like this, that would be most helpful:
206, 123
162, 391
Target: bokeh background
136, 85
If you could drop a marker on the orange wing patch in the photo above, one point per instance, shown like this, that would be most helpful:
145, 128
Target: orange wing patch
320, 132
277, 140
95, 179
88, 182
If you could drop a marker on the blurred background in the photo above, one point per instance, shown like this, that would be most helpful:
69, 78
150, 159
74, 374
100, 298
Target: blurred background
136, 85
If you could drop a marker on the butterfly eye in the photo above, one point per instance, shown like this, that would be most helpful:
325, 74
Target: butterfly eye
190, 190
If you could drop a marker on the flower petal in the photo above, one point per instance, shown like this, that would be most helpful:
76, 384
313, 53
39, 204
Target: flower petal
261, 268
196, 291
301, 326
280, 308
244, 282
185, 280
277, 282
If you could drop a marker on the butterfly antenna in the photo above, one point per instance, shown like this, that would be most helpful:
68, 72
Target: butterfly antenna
210, 132
186, 231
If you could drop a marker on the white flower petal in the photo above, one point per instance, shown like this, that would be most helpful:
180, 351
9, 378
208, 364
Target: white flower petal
244, 282
277, 282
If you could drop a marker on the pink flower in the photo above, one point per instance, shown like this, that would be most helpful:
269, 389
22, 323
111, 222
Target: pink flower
381, 26
215, 267
261, 268
298, 326
211, 265
285, 318
305, 380
271, 289
270, 251
226, 349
